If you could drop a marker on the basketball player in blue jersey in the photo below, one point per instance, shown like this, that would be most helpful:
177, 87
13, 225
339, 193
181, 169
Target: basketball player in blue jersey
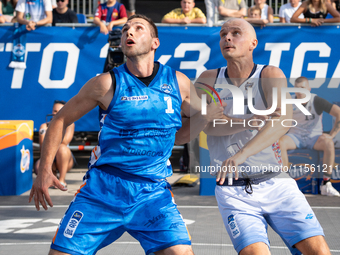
308, 134
255, 196
125, 188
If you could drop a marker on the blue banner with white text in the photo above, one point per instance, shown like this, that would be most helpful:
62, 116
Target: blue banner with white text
60, 60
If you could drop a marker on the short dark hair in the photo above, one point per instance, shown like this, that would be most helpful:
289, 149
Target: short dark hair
59, 102
154, 30
255, 8
301, 79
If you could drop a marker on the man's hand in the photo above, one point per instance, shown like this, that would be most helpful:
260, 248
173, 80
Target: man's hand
215, 111
229, 167
186, 20
316, 22
103, 29
39, 191
109, 26
31, 25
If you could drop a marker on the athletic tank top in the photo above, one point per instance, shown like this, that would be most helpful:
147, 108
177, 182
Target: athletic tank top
317, 15
259, 166
264, 12
137, 131
307, 125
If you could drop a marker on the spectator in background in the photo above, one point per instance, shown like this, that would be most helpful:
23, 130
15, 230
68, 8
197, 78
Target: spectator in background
62, 14
108, 15
287, 10
34, 13
266, 11
130, 7
308, 134
232, 9
7, 9
254, 12
211, 8
64, 160
315, 12
185, 15
254, 16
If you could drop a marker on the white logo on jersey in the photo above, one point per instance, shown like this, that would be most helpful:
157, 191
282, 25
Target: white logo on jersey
134, 98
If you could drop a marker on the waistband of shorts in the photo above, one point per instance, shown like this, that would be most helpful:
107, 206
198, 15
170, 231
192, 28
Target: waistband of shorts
255, 179
125, 175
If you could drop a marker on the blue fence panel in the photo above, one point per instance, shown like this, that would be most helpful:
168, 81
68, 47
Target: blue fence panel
61, 59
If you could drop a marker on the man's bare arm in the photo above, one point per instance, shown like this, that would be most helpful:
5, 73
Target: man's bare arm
232, 13
46, 20
68, 134
191, 108
273, 77
97, 91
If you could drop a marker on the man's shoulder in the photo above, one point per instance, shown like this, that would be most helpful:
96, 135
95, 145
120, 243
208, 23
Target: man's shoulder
196, 9
103, 5
71, 12
272, 72
120, 5
177, 10
212, 73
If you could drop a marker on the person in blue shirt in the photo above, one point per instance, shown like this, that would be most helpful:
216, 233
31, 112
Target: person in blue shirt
125, 188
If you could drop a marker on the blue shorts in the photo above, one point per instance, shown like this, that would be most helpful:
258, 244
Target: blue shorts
277, 202
107, 205
304, 142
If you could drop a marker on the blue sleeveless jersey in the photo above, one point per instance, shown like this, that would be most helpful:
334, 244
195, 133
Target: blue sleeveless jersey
138, 128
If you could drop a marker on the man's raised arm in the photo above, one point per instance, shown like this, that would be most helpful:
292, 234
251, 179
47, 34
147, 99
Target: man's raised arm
93, 93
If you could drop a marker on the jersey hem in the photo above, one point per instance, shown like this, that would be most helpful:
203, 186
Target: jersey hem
164, 246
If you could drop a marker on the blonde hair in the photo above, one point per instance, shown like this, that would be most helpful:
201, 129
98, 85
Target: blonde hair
322, 6
255, 8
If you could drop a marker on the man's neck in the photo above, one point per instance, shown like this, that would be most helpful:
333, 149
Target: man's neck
238, 71
140, 68
62, 11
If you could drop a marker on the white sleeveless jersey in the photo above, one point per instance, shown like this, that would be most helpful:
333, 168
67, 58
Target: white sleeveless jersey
222, 148
307, 125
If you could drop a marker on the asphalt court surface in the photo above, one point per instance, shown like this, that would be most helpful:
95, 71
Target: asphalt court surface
23, 230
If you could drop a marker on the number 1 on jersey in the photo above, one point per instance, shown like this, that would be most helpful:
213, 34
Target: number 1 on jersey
169, 105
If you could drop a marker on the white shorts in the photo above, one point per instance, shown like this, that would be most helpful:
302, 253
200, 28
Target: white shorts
304, 142
277, 202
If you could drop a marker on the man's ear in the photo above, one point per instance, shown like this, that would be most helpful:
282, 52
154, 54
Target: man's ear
253, 44
155, 43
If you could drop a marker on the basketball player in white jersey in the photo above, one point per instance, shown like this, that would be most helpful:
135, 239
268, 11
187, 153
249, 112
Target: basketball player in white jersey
308, 134
256, 196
